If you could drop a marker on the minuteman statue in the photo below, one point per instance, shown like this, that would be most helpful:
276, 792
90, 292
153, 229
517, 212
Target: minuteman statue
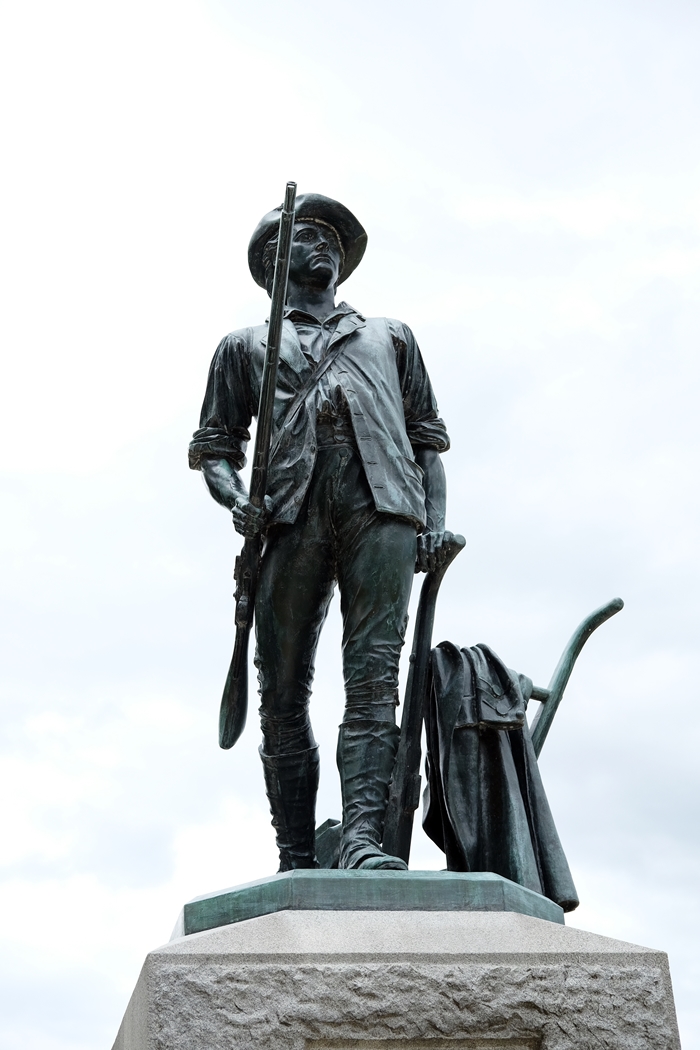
355, 495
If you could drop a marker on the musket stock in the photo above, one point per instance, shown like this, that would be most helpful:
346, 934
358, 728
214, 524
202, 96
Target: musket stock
234, 702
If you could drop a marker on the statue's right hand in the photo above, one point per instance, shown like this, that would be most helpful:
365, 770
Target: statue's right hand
247, 519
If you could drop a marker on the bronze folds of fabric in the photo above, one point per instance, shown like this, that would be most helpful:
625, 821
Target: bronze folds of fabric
485, 803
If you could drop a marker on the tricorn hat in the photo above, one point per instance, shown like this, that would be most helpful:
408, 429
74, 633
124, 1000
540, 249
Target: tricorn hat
311, 206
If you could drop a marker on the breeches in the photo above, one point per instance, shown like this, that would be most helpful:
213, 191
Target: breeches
338, 537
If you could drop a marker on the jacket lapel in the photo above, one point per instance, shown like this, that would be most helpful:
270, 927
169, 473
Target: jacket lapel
346, 326
291, 354
292, 358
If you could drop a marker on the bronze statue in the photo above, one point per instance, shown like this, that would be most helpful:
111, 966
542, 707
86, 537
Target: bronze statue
355, 495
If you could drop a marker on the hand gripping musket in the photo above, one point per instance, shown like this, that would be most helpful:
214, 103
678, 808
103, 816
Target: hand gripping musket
234, 702
404, 794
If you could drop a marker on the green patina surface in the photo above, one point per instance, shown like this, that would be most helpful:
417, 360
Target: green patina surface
323, 890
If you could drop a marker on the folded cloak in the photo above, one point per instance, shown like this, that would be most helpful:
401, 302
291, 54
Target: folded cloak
484, 804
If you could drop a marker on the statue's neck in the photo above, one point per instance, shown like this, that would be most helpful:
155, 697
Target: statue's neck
320, 302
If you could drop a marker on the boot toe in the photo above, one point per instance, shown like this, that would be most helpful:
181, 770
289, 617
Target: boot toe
368, 857
384, 863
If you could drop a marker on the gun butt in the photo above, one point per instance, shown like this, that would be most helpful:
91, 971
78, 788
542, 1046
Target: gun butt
234, 701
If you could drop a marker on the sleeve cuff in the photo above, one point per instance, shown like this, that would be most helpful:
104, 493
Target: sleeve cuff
219, 444
430, 433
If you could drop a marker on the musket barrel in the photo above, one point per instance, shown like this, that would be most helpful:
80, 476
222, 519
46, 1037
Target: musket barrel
261, 455
234, 702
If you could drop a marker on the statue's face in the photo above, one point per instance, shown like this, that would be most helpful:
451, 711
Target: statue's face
315, 257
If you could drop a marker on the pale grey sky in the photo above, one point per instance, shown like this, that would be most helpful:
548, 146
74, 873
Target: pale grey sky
528, 176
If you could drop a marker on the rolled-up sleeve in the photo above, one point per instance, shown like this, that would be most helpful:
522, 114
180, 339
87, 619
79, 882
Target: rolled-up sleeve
226, 412
424, 427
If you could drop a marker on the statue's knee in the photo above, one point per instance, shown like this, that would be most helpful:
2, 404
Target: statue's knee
285, 736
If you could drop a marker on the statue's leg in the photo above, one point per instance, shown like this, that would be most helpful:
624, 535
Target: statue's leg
366, 753
376, 560
291, 785
294, 590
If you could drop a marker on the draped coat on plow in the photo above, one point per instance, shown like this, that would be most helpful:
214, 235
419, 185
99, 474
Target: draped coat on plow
485, 804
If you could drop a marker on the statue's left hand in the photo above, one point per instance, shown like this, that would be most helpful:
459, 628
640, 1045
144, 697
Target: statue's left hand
430, 554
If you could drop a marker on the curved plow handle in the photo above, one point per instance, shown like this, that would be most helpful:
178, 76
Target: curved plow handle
551, 697
404, 793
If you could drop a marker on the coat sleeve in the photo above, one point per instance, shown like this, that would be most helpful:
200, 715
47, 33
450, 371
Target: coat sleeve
424, 427
227, 409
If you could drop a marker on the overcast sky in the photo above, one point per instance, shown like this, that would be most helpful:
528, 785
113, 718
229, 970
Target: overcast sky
528, 176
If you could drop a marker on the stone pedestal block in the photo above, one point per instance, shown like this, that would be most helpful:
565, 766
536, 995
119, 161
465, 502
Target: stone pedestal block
400, 980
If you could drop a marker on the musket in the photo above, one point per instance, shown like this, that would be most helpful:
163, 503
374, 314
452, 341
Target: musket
234, 702
404, 793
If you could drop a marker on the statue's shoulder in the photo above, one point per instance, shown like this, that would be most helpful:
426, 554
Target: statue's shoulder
396, 329
240, 342
245, 336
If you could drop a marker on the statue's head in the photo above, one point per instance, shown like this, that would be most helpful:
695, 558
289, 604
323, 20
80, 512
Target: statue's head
328, 243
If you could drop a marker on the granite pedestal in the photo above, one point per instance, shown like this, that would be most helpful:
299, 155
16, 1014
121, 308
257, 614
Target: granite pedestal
379, 978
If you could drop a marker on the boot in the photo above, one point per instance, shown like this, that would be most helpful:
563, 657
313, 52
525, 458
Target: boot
291, 783
366, 753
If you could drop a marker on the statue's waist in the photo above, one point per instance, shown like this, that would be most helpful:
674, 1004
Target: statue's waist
333, 429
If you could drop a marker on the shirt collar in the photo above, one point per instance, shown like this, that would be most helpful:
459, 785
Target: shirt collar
342, 310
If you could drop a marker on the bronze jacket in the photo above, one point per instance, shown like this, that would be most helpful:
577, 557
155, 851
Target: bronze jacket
384, 381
